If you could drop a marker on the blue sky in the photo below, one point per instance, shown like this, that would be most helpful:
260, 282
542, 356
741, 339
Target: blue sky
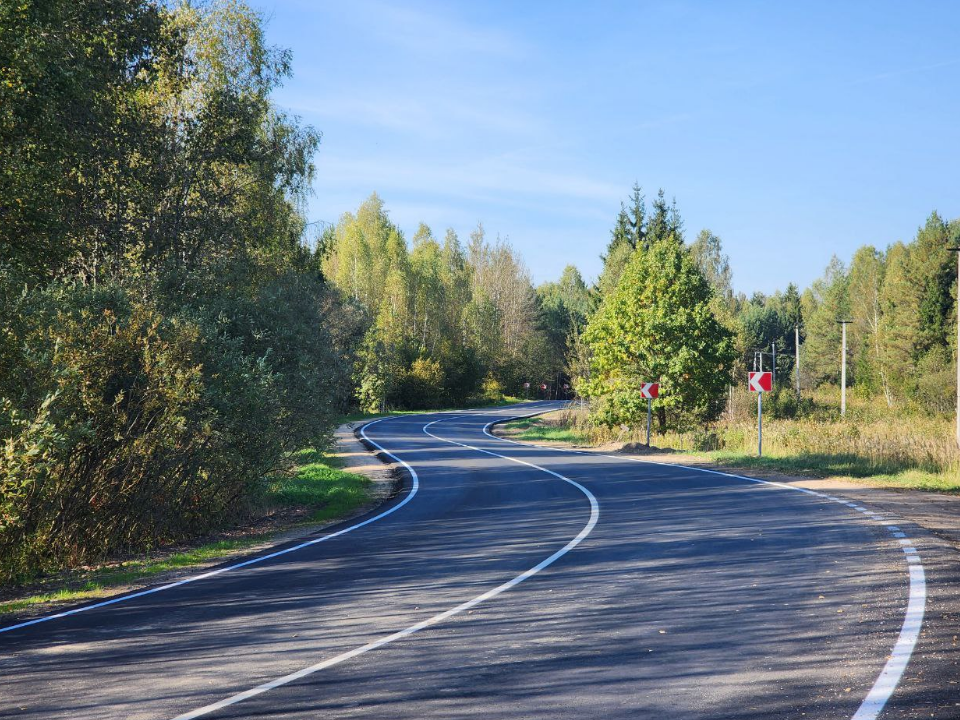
794, 131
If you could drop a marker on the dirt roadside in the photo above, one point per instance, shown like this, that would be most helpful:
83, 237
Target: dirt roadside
384, 473
938, 513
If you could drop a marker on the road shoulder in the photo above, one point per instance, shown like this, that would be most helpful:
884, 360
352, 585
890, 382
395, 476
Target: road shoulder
252, 539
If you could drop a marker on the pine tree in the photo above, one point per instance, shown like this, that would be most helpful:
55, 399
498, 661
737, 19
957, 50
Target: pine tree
900, 318
619, 250
824, 304
636, 231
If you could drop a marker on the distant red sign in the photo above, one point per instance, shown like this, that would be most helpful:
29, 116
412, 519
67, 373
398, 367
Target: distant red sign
650, 390
543, 386
761, 382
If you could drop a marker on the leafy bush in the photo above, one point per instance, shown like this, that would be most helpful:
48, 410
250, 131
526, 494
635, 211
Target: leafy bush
125, 426
421, 386
492, 389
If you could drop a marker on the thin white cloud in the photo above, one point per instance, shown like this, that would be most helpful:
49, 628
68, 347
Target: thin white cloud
491, 177
904, 71
433, 32
440, 116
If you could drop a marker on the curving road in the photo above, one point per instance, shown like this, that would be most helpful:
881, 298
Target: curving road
514, 581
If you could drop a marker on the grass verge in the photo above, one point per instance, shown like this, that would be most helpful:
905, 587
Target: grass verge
320, 485
850, 466
318, 488
842, 467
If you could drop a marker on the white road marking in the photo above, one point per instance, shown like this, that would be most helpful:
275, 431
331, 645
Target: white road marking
237, 566
439, 617
889, 678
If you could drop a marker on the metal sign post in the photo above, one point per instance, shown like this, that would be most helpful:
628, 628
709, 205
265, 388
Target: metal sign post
760, 382
649, 391
649, 417
760, 424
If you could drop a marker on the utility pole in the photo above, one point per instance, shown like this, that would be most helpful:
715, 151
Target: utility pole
796, 330
843, 368
774, 363
957, 250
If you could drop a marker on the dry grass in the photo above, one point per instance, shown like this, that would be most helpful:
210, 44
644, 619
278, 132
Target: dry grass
900, 448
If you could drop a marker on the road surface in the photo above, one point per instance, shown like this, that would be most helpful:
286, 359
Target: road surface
510, 581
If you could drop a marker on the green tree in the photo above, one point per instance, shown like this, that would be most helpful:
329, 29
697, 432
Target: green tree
618, 253
824, 303
658, 325
865, 280
71, 75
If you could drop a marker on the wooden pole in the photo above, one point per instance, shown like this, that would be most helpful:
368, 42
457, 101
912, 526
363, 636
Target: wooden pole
843, 373
843, 368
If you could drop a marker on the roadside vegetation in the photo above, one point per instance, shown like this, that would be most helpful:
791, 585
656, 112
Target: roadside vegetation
317, 490
173, 328
872, 444
664, 310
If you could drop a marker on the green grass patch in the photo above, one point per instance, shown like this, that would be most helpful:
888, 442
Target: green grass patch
536, 429
320, 485
98, 583
847, 467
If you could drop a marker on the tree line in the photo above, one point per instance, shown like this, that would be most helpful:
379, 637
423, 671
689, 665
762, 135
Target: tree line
449, 322
167, 334
165, 338
666, 310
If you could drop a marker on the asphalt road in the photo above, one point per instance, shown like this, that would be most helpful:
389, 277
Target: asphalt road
511, 581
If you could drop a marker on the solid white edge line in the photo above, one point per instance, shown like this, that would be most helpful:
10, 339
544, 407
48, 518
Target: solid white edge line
245, 563
439, 617
903, 648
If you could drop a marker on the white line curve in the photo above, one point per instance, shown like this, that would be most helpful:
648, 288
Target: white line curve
886, 683
246, 563
433, 620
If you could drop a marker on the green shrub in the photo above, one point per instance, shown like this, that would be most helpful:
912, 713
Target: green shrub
420, 387
126, 424
492, 390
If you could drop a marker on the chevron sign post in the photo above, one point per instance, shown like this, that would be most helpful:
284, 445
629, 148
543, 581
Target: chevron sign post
760, 383
649, 391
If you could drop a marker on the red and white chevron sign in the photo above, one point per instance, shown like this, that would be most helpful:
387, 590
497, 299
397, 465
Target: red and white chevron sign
649, 390
761, 382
